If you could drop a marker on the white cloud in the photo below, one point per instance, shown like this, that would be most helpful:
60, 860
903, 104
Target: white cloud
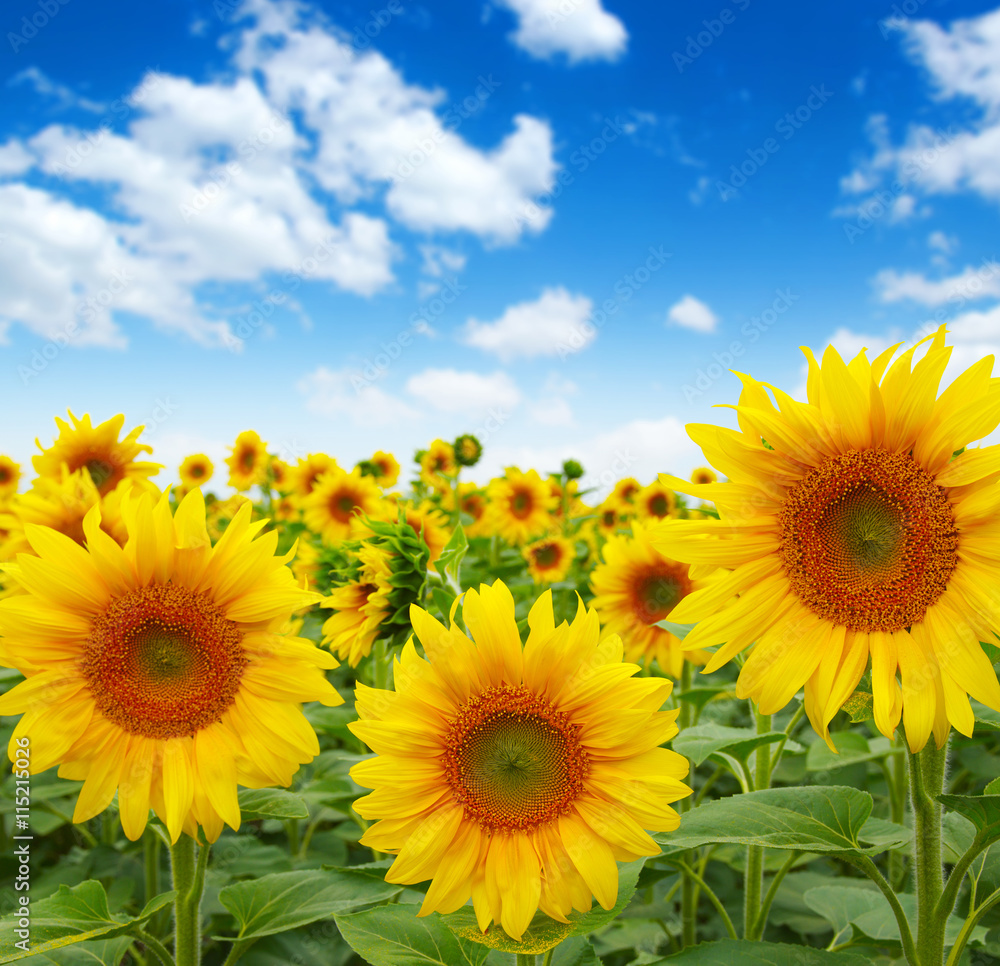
939, 241
969, 285
580, 29
963, 61
555, 324
691, 313
451, 391
552, 411
216, 183
345, 392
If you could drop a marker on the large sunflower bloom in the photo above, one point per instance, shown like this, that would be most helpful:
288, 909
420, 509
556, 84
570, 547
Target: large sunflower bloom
516, 775
519, 505
335, 500
248, 461
158, 669
96, 449
853, 533
10, 476
635, 587
195, 470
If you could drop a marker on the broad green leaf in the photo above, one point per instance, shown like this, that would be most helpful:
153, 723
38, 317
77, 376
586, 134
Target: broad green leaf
270, 803
575, 951
993, 788
860, 706
851, 748
449, 561
543, 933
741, 952
97, 952
69, 916
812, 819
840, 905
982, 810
699, 697
704, 741
395, 936
678, 630
879, 924
287, 900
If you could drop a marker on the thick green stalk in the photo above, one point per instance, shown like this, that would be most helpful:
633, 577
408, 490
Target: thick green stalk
189, 881
927, 769
525, 959
753, 884
689, 889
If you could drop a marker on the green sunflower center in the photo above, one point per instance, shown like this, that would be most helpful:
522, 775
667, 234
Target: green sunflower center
163, 662
100, 471
513, 761
658, 506
868, 540
521, 504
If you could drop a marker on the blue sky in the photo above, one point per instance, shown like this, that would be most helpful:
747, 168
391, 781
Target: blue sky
557, 223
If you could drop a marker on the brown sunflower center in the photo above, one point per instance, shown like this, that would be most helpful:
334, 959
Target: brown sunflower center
656, 591
342, 505
548, 555
100, 470
658, 505
513, 761
164, 662
197, 471
868, 540
521, 504
609, 518
5, 475
248, 459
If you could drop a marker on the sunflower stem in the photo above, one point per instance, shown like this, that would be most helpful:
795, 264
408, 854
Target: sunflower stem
753, 884
927, 771
525, 959
189, 881
381, 665
689, 895
151, 864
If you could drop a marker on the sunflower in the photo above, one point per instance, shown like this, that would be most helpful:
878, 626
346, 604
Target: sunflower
703, 475
609, 517
513, 774
468, 450
195, 470
306, 564
655, 502
385, 469
549, 559
335, 500
438, 462
855, 531
96, 449
425, 519
248, 461
279, 475
624, 494
158, 669
635, 587
10, 476
519, 505
361, 605
472, 504
305, 474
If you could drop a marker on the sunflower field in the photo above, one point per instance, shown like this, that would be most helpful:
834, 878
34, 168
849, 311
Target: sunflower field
338, 718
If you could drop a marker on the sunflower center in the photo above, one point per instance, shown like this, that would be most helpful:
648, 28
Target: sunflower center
5, 474
342, 505
657, 591
610, 518
547, 556
868, 540
163, 662
197, 471
247, 460
520, 504
513, 761
658, 506
100, 471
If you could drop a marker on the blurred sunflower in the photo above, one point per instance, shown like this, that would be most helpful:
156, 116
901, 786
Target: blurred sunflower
279, 475
519, 505
305, 474
634, 588
97, 450
855, 532
385, 469
624, 494
655, 502
549, 559
703, 475
609, 518
472, 505
467, 450
248, 461
195, 470
335, 500
158, 669
513, 774
10, 476
438, 462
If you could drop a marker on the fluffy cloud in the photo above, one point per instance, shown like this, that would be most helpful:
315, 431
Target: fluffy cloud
691, 313
580, 29
215, 183
345, 392
972, 283
963, 60
452, 391
555, 324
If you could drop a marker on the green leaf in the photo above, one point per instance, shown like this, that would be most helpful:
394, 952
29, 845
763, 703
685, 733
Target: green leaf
982, 810
812, 819
449, 561
840, 905
860, 706
678, 630
699, 697
742, 952
575, 951
69, 916
852, 748
543, 933
96, 952
286, 900
270, 803
711, 740
993, 788
395, 936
